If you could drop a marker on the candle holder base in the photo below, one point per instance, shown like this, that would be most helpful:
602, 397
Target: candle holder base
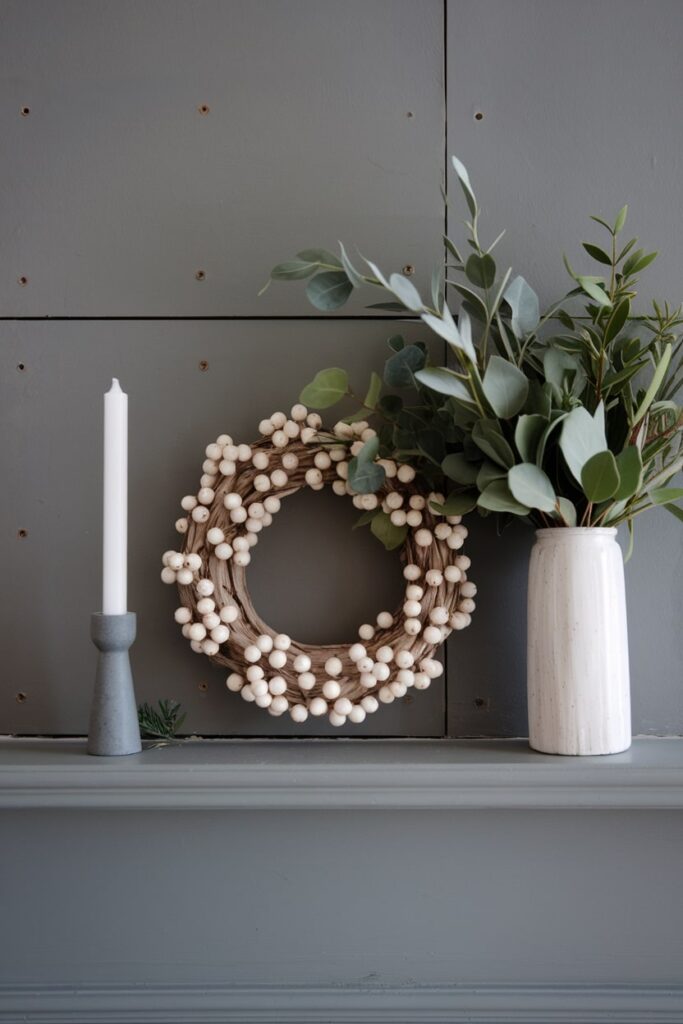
114, 728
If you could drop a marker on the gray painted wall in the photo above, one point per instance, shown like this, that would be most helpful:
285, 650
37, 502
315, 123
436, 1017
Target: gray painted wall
118, 189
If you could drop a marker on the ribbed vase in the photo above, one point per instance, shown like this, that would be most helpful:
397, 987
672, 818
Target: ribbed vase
578, 668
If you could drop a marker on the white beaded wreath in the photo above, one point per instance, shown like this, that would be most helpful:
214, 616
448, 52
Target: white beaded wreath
240, 491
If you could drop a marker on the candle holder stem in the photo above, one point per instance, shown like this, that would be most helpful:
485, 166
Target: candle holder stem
114, 728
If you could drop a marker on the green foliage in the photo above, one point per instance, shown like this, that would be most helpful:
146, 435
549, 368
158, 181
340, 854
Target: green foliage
566, 418
163, 721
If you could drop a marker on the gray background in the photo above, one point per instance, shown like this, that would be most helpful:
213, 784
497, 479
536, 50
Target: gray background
117, 190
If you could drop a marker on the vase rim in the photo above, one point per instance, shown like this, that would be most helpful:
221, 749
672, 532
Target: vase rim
575, 531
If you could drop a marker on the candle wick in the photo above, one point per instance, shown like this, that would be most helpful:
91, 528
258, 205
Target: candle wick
115, 386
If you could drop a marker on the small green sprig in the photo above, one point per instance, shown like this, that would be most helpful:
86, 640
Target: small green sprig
162, 722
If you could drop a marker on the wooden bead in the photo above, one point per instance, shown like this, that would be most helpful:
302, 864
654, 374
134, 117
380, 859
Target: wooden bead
220, 633
384, 653
397, 688
279, 705
259, 687
298, 713
205, 495
406, 677
412, 572
381, 671
433, 577
331, 689
234, 682
369, 704
412, 627
414, 592
385, 620
264, 643
169, 576
405, 473
467, 605
272, 504
411, 609
468, 589
414, 518
279, 478
432, 635
188, 502
277, 659
211, 620
181, 525
343, 706
238, 515
302, 663
439, 615
266, 428
200, 514
336, 719
404, 659
252, 653
357, 652
368, 680
232, 500
205, 588
197, 631
322, 460
254, 673
317, 707
229, 613
215, 535
261, 483
333, 666
422, 681
241, 558
386, 696
182, 615
263, 700
366, 631
223, 552
452, 573
306, 681
246, 693
416, 501
193, 561
277, 685
423, 538
398, 517
431, 667
442, 531
184, 577
313, 477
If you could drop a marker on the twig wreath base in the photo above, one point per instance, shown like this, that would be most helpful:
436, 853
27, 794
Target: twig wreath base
240, 492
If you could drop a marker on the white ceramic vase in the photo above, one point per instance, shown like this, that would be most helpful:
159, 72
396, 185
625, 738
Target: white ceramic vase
578, 674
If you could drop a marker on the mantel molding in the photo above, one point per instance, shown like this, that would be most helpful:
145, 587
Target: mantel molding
339, 774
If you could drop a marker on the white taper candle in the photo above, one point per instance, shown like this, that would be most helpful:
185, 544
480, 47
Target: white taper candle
115, 525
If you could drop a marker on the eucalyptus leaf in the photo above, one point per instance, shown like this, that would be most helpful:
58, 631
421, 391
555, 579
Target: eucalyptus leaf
320, 256
600, 477
326, 388
391, 536
400, 368
528, 433
498, 498
530, 486
293, 270
445, 327
456, 504
487, 435
366, 518
481, 270
655, 384
505, 386
582, 437
523, 301
353, 275
329, 290
365, 476
456, 467
406, 291
477, 306
488, 472
567, 511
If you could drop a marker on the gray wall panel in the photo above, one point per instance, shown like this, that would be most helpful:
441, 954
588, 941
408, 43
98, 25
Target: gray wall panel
121, 190
577, 102
369, 899
306, 573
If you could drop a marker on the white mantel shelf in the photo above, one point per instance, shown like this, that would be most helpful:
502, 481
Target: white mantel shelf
338, 775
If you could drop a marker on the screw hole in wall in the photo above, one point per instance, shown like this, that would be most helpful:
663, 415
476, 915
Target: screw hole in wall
21, 367
410, 114
200, 275
409, 270
479, 116
25, 111
22, 280
203, 109
21, 697
22, 534
480, 702
203, 687
203, 365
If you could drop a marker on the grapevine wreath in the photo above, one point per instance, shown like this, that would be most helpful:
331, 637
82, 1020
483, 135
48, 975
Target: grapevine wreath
240, 492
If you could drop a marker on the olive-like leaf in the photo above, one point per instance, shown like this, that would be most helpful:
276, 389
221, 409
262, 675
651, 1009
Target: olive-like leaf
530, 486
655, 384
444, 382
481, 270
374, 391
326, 388
600, 477
666, 495
464, 179
593, 289
597, 253
329, 290
630, 466
406, 291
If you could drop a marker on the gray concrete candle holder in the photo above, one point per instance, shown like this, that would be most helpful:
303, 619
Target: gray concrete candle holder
114, 728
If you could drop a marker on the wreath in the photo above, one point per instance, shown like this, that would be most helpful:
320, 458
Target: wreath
241, 490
